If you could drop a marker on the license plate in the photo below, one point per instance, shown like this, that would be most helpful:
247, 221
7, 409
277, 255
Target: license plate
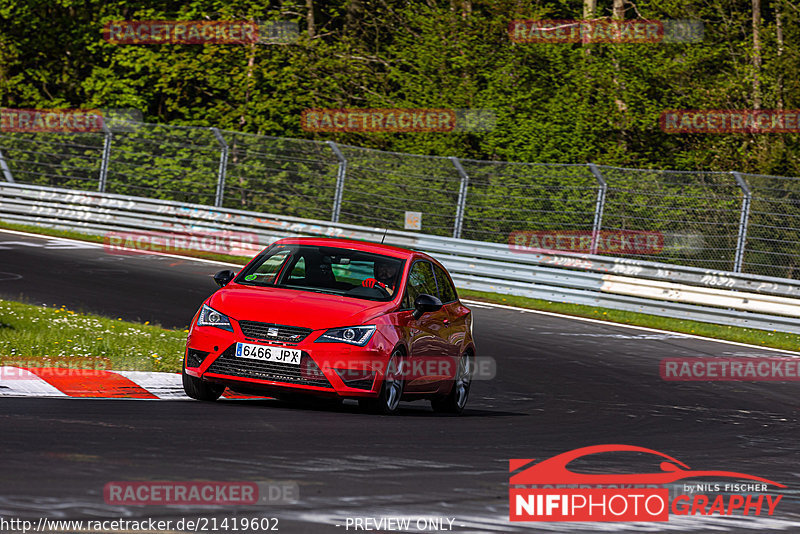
268, 353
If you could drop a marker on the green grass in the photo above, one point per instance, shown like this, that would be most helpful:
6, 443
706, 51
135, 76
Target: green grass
763, 338
38, 336
779, 340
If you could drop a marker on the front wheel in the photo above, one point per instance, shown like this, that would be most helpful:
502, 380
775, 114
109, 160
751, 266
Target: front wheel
455, 401
391, 391
199, 389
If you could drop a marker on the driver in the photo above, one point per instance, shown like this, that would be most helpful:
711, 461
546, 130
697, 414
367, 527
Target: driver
385, 275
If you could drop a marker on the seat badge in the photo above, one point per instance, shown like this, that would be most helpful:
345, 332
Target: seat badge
272, 332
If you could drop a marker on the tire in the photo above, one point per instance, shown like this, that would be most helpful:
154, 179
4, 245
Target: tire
391, 390
455, 401
199, 389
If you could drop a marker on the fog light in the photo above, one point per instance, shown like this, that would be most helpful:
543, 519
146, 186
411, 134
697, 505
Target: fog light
357, 378
194, 358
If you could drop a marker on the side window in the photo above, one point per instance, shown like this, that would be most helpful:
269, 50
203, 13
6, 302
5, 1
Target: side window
447, 293
298, 271
266, 272
420, 280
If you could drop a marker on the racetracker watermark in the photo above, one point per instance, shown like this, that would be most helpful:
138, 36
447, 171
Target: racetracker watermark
479, 368
200, 493
51, 120
159, 32
730, 369
605, 31
586, 242
222, 242
17, 368
144, 525
390, 120
595, 496
68, 120
713, 121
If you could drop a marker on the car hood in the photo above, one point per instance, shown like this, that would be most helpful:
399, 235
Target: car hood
293, 307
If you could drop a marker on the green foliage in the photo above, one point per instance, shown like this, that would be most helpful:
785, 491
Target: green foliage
554, 103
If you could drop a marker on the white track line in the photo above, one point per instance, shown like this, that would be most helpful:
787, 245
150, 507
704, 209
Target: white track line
100, 245
621, 325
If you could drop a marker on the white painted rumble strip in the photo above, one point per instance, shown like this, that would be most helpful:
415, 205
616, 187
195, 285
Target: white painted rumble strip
16, 382
162, 385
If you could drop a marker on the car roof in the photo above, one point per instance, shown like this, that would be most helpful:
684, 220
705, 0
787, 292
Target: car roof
365, 246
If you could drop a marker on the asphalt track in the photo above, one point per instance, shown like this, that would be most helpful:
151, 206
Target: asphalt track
561, 384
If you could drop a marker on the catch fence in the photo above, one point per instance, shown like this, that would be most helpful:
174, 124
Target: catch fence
724, 221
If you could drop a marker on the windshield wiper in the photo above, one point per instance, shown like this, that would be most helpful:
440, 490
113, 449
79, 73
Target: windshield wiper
311, 289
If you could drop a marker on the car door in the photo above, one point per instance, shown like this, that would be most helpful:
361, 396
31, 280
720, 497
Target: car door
455, 330
428, 345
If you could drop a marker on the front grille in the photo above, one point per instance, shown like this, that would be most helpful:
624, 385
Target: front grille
286, 334
307, 373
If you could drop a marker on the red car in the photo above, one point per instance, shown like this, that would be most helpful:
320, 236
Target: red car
334, 318
555, 471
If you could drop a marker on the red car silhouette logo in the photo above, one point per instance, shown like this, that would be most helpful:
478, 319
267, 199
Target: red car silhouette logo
554, 470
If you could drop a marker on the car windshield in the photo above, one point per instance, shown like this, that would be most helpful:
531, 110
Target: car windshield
323, 269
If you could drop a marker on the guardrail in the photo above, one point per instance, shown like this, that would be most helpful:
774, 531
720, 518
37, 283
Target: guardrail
634, 285
728, 221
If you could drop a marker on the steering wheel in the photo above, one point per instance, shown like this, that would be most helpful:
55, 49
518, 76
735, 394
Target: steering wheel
380, 286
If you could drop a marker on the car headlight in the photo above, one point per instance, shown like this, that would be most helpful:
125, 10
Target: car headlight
211, 317
354, 335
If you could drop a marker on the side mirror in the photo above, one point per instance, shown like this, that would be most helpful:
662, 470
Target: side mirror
223, 278
425, 303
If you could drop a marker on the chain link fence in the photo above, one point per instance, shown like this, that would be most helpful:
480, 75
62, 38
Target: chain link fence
713, 220
696, 214
772, 241
505, 198
61, 160
292, 177
380, 187
170, 162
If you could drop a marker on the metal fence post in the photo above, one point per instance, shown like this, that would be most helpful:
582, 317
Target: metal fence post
462, 197
223, 166
340, 176
743, 219
5, 169
101, 186
599, 205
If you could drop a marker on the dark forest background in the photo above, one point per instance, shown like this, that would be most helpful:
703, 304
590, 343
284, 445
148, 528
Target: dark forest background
567, 103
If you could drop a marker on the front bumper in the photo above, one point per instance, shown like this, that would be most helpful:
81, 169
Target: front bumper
326, 369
